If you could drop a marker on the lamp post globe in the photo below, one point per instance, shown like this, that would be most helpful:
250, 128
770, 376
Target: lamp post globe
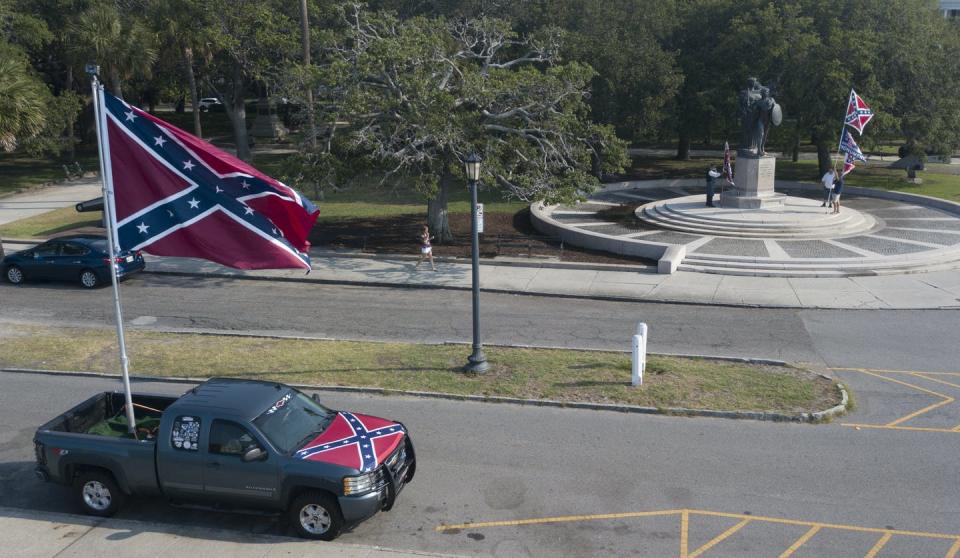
477, 361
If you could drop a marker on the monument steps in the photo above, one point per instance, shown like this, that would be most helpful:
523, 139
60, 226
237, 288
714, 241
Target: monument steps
821, 267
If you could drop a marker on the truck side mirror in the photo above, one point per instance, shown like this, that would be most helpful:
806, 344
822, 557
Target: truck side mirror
255, 453
315, 397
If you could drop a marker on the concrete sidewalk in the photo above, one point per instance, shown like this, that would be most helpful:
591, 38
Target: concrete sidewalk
42, 200
32, 534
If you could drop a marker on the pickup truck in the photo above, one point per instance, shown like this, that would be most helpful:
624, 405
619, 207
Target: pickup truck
233, 445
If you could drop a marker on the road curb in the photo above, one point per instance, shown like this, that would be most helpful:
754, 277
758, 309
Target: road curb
605, 298
812, 417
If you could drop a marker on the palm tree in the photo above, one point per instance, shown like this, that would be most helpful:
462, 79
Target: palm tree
181, 24
23, 99
122, 46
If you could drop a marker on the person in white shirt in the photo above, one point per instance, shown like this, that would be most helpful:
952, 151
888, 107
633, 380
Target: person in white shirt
827, 180
712, 176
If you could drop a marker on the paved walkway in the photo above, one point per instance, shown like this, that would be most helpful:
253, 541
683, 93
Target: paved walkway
42, 200
30, 534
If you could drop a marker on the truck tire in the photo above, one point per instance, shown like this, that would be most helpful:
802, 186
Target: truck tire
316, 515
98, 493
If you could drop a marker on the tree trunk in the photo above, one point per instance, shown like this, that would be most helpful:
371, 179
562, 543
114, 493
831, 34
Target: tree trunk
437, 218
237, 112
796, 147
823, 156
305, 37
194, 94
683, 147
71, 138
115, 82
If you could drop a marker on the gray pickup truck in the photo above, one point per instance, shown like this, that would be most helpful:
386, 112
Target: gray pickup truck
228, 444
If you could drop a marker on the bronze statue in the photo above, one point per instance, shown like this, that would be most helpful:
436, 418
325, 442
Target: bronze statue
758, 111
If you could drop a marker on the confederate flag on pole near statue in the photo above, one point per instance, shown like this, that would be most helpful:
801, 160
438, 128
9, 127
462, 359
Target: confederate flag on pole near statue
858, 113
850, 147
177, 195
727, 167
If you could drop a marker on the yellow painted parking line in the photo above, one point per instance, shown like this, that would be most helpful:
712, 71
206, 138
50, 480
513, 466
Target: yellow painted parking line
884, 371
684, 532
952, 553
560, 519
685, 518
800, 542
946, 399
719, 538
913, 428
879, 546
939, 381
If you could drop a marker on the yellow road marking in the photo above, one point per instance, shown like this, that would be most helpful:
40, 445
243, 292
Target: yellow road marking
684, 517
939, 381
719, 538
953, 550
883, 371
880, 544
560, 519
914, 428
684, 531
946, 398
800, 542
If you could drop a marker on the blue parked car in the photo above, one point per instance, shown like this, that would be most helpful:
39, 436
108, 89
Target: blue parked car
70, 258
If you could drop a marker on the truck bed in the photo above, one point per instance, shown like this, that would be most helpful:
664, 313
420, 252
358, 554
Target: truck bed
104, 415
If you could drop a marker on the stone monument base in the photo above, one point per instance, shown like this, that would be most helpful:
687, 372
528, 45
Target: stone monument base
754, 178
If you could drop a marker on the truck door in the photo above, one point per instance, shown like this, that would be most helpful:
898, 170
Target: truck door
179, 459
226, 477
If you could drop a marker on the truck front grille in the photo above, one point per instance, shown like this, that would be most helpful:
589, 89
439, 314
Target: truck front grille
39, 453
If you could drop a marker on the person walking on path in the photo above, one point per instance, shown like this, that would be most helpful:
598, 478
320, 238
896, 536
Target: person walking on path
712, 176
426, 250
835, 195
827, 181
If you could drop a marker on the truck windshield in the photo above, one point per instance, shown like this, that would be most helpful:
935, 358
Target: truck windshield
293, 420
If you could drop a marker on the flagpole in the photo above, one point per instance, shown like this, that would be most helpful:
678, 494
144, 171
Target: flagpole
106, 175
843, 129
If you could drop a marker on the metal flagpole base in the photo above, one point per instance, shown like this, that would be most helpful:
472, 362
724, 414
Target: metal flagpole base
477, 362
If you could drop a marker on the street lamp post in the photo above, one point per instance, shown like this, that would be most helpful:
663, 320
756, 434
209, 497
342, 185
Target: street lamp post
477, 361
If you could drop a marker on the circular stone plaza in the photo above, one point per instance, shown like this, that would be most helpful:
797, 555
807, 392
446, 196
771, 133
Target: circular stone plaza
876, 232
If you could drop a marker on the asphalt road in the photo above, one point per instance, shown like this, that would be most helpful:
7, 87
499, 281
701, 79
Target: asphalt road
484, 462
912, 340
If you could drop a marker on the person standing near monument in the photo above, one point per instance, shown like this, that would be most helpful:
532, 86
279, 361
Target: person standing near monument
827, 181
835, 195
712, 176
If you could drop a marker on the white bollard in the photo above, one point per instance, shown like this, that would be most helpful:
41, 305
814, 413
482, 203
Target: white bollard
637, 361
642, 332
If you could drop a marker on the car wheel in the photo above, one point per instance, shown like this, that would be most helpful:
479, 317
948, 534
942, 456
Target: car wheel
89, 279
99, 494
316, 516
14, 275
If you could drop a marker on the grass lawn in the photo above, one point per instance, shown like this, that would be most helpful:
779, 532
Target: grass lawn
49, 223
530, 373
19, 171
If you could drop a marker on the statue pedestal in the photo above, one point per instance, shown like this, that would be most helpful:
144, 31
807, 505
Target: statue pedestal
754, 183
267, 124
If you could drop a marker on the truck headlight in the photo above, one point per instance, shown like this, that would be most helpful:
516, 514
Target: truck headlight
358, 485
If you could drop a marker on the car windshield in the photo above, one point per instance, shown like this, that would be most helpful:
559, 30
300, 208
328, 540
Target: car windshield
293, 420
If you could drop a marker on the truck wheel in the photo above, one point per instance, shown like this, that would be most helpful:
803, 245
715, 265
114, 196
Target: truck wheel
99, 494
316, 516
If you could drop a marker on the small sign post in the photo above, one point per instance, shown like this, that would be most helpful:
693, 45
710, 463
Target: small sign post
480, 218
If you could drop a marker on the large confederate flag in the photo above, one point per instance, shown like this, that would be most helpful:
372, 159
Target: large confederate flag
177, 195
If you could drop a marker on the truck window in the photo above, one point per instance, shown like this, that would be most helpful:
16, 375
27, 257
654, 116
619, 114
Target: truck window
228, 438
186, 433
